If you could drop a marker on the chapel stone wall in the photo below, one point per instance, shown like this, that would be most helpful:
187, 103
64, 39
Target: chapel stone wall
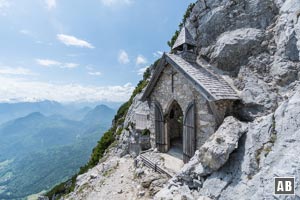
184, 93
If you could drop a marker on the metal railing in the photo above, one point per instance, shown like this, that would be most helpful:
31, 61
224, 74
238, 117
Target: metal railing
154, 166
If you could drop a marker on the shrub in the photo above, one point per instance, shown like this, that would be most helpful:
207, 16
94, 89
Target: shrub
185, 17
147, 74
146, 132
119, 131
173, 39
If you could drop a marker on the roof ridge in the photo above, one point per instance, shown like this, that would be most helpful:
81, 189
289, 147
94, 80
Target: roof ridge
211, 85
184, 37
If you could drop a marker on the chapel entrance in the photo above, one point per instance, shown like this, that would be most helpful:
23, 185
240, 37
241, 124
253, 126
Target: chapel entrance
175, 130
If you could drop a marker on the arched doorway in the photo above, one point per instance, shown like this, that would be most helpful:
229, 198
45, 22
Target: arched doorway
175, 128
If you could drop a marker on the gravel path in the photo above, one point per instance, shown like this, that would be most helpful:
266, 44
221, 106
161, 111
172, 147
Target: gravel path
118, 184
114, 181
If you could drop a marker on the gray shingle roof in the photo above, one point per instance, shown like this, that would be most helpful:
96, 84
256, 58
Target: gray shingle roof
212, 86
184, 37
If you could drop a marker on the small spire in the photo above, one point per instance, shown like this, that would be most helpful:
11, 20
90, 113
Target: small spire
184, 37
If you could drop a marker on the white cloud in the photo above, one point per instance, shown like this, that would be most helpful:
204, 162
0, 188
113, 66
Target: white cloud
123, 57
4, 5
158, 54
43, 43
91, 71
70, 65
25, 32
50, 4
140, 60
47, 62
15, 71
14, 89
142, 70
89, 67
95, 73
70, 40
50, 63
116, 2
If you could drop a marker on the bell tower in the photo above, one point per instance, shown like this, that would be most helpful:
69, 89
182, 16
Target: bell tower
185, 46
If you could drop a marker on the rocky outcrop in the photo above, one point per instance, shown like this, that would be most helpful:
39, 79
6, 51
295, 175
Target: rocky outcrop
233, 48
256, 43
268, 150
259, 96
216, 150
126, 137
210, 19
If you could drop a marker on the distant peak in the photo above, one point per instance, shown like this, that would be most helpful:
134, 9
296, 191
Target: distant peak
35, 114
101, 106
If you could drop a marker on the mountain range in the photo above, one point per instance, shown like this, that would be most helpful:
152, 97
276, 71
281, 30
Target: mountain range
74, 111
47, 145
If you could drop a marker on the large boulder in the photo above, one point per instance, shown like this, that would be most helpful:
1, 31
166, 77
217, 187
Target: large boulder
287, 30
137, 107
284, 71
216, 150
259, 97
175, 193
269, 149
210, 19
233, 48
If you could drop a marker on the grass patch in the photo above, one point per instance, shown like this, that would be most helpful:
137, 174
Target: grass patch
145, 132
119, 131
267, 147
110, 171
257, 155
84, 186
267, 150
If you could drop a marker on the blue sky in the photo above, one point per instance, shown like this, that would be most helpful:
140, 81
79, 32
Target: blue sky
90, 50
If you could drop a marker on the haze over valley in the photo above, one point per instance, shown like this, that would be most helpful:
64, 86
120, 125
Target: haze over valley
46, 142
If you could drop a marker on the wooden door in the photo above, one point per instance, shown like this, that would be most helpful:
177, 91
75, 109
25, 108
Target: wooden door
159, 129
189, 136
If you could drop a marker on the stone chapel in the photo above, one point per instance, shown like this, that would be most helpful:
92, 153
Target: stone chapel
187, 100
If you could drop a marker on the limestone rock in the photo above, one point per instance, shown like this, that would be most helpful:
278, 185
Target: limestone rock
139, 172
141, 193
137, 107
43, 198
156, 186
285, 72
210, 19
146, 182
267, 150
153, 181
204, 198
259, 97
215, 152
175, 193
234, 47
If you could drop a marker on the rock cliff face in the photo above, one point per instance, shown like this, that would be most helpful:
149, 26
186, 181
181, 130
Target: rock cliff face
256, 44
